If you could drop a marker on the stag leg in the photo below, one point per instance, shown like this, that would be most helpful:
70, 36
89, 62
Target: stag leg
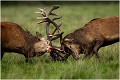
85, 55
88, 54
26, 59
2, 53
98, 44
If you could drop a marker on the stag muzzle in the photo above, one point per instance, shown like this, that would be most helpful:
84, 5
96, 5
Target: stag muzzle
49, 49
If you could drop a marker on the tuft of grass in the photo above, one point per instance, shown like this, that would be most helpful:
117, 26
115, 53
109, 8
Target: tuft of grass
75, 15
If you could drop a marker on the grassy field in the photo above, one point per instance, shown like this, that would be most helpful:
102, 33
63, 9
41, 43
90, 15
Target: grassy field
75, 15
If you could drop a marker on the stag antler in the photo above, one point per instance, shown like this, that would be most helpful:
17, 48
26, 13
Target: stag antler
45, 18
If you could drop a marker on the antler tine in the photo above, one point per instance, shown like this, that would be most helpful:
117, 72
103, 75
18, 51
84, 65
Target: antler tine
42, 12
53, 8
41, 18
51, 21
41, 22
56, 18
57, 36
57, 29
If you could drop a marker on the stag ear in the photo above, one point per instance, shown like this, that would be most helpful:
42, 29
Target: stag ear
69, 40
38, 35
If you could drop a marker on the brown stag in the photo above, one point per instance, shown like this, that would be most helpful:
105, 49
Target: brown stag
15, 39
95, 34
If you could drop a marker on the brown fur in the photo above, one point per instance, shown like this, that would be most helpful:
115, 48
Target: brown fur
15, 39
95, 34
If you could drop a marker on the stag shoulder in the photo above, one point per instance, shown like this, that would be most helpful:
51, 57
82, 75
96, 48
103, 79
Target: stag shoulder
12, 35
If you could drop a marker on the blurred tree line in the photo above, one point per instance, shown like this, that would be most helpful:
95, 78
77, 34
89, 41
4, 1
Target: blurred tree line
54, 2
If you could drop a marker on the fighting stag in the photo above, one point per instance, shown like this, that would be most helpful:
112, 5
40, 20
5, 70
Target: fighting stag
95, 34
55, 51
16, 39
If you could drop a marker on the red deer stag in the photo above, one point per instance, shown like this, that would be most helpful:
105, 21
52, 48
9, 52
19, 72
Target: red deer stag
15, 39
95, 34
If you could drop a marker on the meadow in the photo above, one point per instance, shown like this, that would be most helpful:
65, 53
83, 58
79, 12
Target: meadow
75, 15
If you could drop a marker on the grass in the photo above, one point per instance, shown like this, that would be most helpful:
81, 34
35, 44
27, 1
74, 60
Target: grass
75, 15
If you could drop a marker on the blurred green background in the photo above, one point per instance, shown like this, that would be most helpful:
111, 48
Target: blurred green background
75, 15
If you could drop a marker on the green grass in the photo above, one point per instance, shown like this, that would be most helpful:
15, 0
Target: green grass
75, 15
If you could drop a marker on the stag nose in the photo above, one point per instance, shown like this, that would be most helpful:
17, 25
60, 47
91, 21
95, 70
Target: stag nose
49, 48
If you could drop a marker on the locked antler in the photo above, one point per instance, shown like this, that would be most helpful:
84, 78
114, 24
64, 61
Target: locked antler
46, 19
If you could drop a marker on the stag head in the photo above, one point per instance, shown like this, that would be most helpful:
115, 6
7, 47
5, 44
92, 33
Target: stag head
41, 46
